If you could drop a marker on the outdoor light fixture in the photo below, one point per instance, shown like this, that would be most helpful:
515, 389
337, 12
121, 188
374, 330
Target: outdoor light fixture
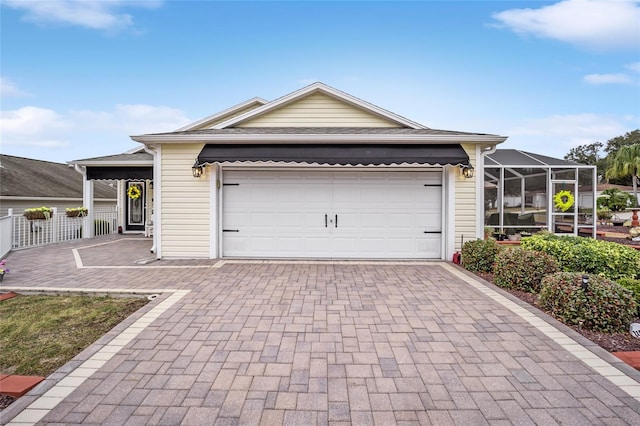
585, 283
468, 171
197, 170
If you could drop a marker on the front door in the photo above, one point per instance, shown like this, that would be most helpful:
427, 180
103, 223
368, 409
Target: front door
135, 211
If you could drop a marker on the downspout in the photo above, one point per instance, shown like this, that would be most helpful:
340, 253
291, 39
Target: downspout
155, 215
87, 201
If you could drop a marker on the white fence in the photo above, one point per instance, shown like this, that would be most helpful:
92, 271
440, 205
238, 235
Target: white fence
25, 233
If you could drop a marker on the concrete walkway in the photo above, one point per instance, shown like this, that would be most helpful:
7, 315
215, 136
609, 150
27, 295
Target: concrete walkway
314, 343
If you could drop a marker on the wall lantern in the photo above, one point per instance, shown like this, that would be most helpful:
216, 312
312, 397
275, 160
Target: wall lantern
467, 171
197, 170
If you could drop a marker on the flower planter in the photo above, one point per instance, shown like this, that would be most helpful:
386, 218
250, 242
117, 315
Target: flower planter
37, 215
76, 213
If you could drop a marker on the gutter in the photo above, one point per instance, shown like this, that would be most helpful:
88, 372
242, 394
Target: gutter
333, 138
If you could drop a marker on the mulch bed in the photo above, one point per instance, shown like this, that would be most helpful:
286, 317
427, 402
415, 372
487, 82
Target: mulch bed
5, 401
620, 230
612, 342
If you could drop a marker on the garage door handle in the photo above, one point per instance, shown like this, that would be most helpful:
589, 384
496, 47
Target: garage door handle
336, 221
325, 220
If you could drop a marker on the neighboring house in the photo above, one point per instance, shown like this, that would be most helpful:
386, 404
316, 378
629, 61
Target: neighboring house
316, 173
26, 183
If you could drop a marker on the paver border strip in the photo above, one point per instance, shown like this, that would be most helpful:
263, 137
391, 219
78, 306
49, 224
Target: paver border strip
41, 405
603, 367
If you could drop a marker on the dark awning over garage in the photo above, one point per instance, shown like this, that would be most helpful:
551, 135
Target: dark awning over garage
337, 154
125, 172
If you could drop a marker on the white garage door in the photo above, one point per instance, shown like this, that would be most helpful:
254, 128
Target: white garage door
336, 214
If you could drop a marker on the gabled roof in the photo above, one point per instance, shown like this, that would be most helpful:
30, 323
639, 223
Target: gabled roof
225, 115
327, 90
139, 158
26, 177
250, 126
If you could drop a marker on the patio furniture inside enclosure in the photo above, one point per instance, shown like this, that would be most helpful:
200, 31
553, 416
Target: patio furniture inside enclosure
525, 193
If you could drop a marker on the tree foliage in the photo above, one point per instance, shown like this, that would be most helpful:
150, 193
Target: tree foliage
625, 163
586, 154
616, 200
592, 154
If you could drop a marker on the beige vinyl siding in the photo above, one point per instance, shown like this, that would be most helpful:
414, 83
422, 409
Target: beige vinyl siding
465, 202
185, 204
318, 110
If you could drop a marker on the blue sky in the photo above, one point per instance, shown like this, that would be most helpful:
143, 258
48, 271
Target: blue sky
79, 77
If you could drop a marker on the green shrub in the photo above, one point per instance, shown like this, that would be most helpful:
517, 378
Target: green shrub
633, 286
603, 306
479, 255
579, 254
521, 269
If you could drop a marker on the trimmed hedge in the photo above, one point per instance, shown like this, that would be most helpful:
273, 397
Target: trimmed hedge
521, 269
480, 255
579, 254
605, 305
633, 286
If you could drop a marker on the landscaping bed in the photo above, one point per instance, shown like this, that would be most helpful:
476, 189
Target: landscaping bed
592, 286
616, 239
39, 334
611, 342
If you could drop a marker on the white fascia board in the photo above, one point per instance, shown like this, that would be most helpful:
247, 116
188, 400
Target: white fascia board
135, 150
333, 138
320, 87
227, 111
143, 163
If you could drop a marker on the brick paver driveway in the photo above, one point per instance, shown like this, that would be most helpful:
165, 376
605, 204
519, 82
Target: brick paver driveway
301, 343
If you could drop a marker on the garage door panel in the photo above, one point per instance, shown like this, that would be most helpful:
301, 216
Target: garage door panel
381, 214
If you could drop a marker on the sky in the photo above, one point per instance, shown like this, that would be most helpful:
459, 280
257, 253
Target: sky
78, 77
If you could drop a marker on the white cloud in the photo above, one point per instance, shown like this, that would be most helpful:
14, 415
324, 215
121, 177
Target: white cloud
608, 79
95, 14
594, 24
555, 135
34, 126
615, 78
10, 89
635, 67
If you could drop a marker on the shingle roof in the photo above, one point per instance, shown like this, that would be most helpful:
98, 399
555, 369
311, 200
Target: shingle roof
322, 131
25, 177
134, 157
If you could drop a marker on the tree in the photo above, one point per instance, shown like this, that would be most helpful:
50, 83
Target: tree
626, 163
585, 154
629, 138
590, 154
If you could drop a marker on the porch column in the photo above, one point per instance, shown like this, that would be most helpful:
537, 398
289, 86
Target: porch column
87, 201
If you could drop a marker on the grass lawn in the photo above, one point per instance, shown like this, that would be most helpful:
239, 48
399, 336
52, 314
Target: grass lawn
39, 334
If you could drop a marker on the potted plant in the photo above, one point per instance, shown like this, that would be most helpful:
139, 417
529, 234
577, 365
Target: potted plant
77, 211
488, 232
38, 213
604, 215
3, 269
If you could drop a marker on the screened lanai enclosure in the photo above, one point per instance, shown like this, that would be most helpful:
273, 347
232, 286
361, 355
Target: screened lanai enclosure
525, 193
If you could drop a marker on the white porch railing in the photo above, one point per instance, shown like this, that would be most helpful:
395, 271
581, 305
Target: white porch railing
18, 232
